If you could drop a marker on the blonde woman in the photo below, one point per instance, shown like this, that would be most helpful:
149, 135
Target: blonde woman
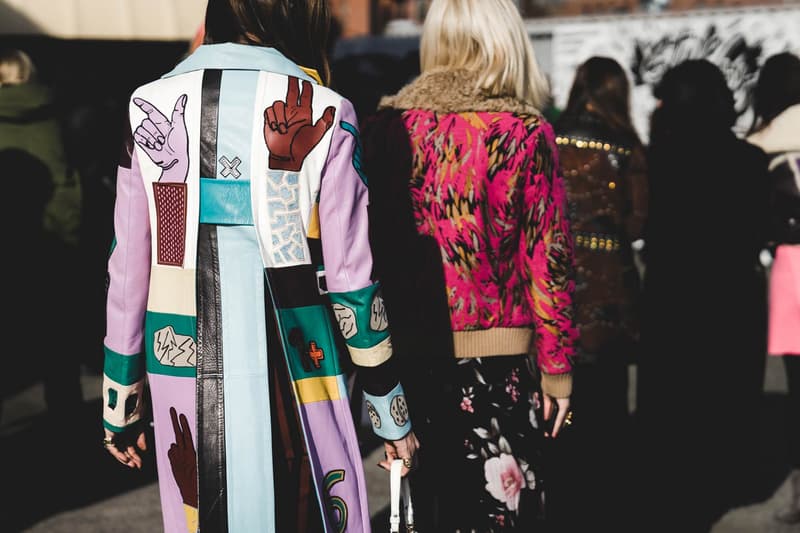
471, 240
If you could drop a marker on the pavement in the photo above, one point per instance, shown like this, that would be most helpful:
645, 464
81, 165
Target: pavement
57, 479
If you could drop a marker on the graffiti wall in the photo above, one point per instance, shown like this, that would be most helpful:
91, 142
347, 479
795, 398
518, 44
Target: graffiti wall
738, 41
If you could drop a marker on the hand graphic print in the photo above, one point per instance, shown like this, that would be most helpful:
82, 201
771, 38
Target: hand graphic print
183, 459
165, 141
289, 129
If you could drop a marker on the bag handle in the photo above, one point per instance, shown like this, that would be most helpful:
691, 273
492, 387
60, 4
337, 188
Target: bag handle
399, 487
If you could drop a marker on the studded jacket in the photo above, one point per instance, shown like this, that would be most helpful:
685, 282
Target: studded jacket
606, 181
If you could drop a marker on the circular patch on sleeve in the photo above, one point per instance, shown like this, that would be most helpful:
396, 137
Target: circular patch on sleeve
374, 417
399, 410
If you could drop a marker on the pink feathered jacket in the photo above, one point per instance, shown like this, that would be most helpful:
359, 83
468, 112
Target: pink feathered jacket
483, 182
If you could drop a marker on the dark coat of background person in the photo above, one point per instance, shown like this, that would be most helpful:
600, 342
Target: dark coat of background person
701, 370
34, 291
91, 81
776, 130
31, 246
43, 217
605, 173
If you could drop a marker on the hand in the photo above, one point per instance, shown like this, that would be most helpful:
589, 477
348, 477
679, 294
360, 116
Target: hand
561, 412
289, 130
399, 449
165, 141
123, 448
183, 459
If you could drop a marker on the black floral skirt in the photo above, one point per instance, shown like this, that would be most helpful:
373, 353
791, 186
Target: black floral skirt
483, 444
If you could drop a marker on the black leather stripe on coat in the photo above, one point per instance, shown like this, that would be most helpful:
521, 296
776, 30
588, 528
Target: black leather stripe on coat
211, 470
209, 120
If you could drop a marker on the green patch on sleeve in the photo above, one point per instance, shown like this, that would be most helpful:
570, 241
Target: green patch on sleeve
124, 369
361, 316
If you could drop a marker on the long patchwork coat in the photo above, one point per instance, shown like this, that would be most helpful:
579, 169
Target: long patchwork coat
241, 180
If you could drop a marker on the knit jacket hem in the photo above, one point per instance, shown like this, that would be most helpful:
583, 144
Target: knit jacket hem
557, 385
508, 341
492, 342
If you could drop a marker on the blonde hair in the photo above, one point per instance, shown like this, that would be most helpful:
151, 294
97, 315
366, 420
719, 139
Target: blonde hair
16, 67
487, 37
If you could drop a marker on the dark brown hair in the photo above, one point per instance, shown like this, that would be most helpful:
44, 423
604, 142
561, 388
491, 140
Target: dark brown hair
296, 28
778, 88
601, 82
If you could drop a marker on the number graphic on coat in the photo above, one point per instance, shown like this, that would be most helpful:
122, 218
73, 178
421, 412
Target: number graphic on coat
335, 503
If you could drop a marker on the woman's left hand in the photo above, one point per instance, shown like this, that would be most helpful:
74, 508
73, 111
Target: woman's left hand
125, 450
405, 448
562, 408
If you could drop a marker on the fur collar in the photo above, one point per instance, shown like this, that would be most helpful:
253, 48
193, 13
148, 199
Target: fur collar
452, 91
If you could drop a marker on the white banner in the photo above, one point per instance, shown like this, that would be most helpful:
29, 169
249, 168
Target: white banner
155, 20
738, 41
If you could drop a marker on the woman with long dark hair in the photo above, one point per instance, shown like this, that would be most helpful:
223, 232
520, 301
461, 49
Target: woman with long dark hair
777, 131
603, 162
601, 87
241, 240
701, 370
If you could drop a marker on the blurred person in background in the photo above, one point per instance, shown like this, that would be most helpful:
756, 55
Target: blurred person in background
777, 132
43, 219
471, 241
239, 180
604, 168
701, 368
401, 21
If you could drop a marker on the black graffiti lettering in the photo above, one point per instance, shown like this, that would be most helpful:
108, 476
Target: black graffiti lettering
737, 56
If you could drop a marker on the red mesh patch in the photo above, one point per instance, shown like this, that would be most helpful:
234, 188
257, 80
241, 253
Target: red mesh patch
171, 222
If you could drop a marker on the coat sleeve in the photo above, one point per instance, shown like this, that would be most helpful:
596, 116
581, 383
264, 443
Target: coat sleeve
547, 256
355, 296
128, 281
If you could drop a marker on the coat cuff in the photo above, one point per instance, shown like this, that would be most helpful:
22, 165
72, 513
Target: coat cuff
123, 390
557, 385
389, 414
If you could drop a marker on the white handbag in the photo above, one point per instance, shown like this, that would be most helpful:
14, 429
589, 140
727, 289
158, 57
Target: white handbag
399, 489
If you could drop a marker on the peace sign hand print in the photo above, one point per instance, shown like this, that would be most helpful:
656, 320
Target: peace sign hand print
165, 140
289, 129
183, 458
